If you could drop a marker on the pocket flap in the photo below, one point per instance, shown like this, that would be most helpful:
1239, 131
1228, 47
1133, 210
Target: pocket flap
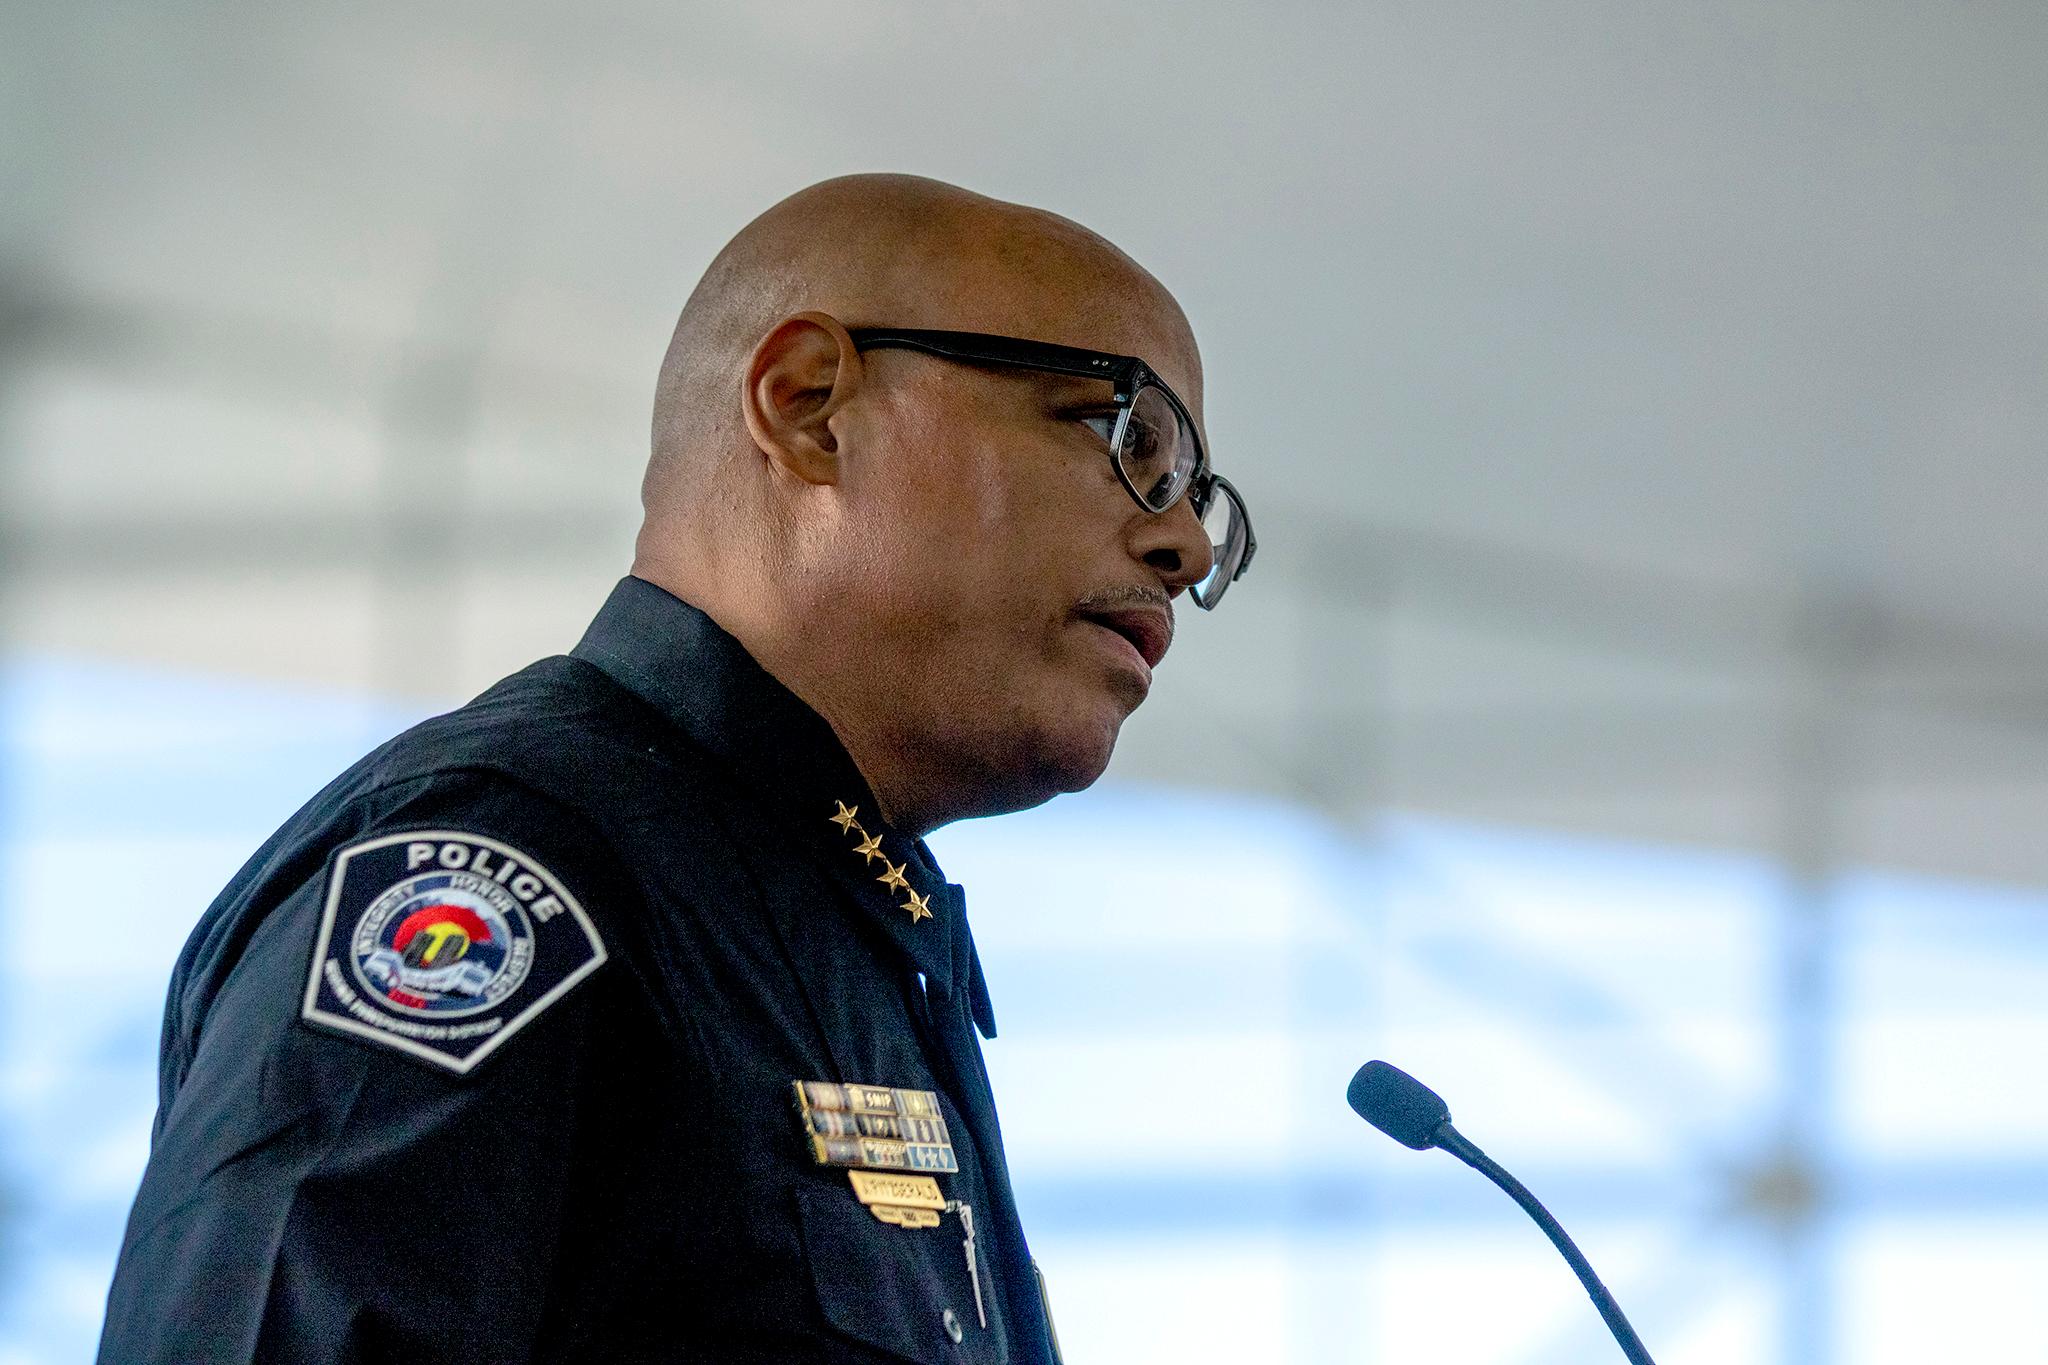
889, 1287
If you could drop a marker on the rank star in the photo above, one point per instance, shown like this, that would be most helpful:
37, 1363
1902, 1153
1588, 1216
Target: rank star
845, 816
918, 906
870, 848
892, 876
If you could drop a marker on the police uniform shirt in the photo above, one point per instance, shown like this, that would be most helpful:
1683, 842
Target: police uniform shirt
488, 1054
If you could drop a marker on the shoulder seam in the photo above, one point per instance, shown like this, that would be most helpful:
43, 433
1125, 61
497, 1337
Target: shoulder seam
501, 774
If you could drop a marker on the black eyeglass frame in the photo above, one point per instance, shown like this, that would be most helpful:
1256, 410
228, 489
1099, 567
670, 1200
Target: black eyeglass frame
1128, 376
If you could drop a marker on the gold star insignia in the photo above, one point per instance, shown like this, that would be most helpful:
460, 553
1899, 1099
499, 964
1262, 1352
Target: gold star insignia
845, 815
918, 906
892, 876
870, 848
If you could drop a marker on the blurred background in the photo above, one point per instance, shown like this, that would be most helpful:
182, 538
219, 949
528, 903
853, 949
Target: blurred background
1636, 724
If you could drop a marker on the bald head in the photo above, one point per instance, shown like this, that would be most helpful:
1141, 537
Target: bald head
923, 551
897, 251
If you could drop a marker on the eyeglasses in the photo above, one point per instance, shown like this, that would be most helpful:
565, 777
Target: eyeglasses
1152, 441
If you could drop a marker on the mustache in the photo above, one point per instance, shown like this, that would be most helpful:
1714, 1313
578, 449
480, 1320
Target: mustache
1121, 599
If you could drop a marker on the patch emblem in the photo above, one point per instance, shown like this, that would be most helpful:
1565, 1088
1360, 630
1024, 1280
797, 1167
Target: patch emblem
444, 945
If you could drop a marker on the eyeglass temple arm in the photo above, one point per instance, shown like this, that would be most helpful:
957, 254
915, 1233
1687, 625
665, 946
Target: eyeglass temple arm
989, 350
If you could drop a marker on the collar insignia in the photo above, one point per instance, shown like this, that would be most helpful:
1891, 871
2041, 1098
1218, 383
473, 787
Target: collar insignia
870, 848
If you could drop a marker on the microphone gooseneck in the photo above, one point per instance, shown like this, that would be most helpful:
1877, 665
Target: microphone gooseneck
1415, 1116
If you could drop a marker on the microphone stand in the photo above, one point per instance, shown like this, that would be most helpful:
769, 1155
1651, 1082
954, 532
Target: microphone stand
1455, 1142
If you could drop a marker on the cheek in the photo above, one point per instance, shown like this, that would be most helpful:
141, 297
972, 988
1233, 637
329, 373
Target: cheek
965, 505
940, 471
922, 556
972, 483
983, 529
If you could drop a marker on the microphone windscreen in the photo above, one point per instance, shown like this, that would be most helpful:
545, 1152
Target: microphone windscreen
1397, 1104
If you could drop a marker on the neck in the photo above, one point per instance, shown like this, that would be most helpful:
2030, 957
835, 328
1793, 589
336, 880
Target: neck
794, 654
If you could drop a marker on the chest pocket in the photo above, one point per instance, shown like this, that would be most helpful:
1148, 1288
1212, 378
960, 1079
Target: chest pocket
901, 1290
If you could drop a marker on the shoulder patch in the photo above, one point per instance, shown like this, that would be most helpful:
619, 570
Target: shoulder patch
444, 944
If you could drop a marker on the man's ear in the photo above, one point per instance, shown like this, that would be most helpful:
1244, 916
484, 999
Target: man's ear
799, 376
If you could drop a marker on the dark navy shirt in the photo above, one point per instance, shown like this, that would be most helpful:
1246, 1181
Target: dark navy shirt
487, 1055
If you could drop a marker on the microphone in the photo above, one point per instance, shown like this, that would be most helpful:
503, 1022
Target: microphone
1415, 1116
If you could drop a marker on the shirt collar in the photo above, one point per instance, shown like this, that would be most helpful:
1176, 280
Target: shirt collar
679, 661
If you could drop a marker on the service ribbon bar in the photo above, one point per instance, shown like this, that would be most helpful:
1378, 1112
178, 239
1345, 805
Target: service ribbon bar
868, 1099
875, 1127
835, 1123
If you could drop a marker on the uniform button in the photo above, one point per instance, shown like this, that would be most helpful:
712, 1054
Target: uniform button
953, 1329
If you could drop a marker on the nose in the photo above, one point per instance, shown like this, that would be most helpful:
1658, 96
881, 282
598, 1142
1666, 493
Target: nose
1173, 545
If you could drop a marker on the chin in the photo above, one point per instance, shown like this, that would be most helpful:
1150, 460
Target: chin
1071, 757
1037, 766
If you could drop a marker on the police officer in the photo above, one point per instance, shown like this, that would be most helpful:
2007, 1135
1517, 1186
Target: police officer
622, 1014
